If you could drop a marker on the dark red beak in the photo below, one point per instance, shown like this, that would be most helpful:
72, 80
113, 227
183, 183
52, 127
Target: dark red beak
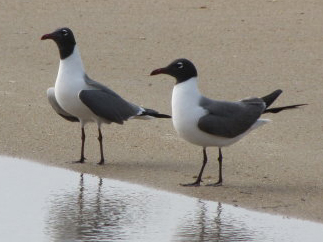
47, 36
158, 71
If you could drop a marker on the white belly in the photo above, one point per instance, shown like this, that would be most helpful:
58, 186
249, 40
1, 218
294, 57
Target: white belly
69, 83
68, 99
186, 125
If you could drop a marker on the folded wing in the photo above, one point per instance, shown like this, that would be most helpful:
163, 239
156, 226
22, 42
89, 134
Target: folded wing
108, 106
230, 119
53, 102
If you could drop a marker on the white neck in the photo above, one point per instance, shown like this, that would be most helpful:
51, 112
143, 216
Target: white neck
70, 77
186, 96
71, 65
187, 91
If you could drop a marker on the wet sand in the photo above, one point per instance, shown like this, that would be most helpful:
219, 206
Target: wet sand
241, 49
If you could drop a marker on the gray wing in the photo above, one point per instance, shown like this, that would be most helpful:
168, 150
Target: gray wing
230, 119
98, 86
53, 102
106, 103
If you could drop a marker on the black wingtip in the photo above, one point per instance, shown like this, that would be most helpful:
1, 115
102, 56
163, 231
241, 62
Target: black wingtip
160, 115
155, 114
279, 109
270, 98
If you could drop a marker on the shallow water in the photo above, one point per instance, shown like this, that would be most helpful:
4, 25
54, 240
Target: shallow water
41, 203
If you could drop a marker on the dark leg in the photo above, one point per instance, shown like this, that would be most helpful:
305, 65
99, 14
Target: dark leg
101, 148
82, 159
219, 182
199, 178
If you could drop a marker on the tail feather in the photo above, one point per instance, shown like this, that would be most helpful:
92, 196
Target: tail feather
278, 109
270, 98
153, 113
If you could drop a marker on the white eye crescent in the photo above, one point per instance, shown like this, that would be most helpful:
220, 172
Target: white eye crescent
64, 31
179, 65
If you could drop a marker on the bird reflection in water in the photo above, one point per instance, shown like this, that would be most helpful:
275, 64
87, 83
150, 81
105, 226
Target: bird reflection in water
101, 212
203, 225
86, 214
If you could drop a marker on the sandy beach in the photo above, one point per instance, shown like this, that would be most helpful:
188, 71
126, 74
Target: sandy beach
240, 49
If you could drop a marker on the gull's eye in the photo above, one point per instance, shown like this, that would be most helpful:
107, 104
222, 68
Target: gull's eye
64, 32
179, 65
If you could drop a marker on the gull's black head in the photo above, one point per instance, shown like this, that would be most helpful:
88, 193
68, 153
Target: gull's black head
64, 38
181, 69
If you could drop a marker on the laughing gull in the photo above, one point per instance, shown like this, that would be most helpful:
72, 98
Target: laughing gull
206, 122
76, 97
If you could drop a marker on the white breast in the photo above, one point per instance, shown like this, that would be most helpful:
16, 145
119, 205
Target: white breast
69, 83
186, 110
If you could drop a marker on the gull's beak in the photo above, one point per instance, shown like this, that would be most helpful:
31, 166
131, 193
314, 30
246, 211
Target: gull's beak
159, 71
48, 36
